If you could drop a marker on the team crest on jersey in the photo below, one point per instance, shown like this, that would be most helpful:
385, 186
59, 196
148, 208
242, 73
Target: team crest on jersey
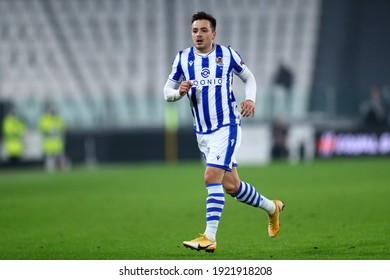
219, 61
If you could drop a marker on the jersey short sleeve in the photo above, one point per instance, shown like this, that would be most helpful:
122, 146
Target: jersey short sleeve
177, 71
237, 62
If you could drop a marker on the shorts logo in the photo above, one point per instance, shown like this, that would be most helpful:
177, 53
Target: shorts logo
218, 157
205, 73
232, 142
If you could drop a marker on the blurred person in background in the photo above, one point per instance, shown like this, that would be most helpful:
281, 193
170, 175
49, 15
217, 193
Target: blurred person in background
14, 129
52, 128
374, 110
283, 82
204, 73
279, 135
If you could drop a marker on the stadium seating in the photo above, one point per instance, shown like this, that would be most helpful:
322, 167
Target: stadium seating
104, 62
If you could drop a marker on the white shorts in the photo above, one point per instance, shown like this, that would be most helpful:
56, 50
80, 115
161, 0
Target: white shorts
219, 148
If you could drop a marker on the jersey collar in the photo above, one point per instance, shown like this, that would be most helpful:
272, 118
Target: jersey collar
205, 54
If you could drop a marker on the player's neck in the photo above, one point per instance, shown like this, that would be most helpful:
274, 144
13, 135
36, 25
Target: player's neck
206, 51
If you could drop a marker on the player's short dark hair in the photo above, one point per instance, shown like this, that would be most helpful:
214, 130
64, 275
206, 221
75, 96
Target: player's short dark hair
203, 15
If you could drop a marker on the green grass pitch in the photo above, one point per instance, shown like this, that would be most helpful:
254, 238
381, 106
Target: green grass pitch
335, 209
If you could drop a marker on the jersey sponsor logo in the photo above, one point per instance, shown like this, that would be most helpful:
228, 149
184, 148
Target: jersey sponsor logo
205, 73
207, 82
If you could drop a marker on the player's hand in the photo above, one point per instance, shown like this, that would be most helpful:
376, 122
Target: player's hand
184, 87
248, 108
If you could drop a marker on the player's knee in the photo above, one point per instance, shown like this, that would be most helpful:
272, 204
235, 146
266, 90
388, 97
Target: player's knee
209, 178
213, 176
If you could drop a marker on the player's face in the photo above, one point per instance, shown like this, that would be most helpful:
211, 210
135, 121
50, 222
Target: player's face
202, 35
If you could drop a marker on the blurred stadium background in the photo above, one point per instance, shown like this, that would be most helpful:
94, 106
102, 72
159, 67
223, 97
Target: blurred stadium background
103, 64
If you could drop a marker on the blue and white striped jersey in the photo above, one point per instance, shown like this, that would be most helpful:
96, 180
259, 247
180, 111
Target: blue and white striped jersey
211, 97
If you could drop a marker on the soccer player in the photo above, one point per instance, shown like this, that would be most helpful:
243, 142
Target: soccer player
204, 73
